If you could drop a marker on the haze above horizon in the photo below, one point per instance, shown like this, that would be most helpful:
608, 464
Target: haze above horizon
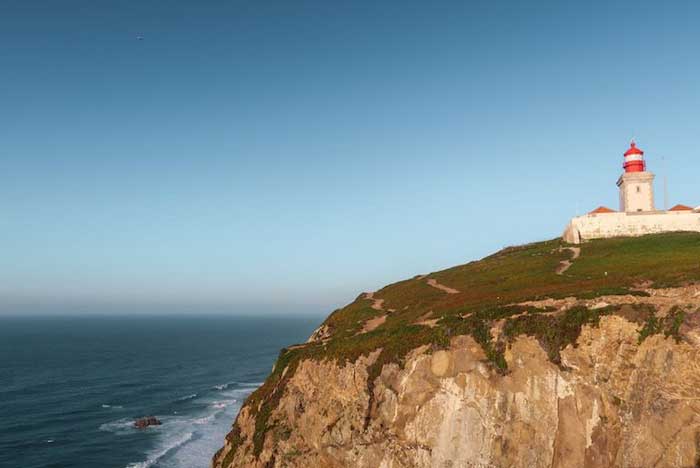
293, 154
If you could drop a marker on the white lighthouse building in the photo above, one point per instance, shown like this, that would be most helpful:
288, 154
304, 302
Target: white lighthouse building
637, 215
636, 184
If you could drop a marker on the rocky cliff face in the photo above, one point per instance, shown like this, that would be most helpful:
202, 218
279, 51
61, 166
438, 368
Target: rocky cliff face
622, 390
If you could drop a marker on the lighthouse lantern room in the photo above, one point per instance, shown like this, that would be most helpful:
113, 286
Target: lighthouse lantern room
634, 159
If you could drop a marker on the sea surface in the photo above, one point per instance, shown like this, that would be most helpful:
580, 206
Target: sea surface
71, 387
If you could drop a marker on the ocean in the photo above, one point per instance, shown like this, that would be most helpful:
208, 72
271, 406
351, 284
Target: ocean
71, 387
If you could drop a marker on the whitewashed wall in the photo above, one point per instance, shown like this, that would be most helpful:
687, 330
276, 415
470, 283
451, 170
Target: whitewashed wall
606, 225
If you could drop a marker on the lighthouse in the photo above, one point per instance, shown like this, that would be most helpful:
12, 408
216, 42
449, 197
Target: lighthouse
637, 215
635, 183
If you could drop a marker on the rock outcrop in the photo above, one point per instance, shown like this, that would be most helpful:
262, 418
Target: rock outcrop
142, 423
613, 402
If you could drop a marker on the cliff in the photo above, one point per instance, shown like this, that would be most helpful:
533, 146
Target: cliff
540, 355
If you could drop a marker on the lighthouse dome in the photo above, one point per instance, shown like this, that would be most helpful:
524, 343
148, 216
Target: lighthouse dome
633, 150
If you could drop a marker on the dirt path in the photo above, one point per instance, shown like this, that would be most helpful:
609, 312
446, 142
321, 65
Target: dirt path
566, 264
664, 299
427, 321
442, 287
371, 324
377, 304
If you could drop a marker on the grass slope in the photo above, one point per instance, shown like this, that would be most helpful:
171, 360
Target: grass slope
486, 288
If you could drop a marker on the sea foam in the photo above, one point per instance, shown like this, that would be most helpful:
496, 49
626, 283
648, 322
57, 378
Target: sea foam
154, 457
187, 397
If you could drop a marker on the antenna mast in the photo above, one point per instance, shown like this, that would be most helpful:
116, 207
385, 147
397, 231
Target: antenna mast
663, 166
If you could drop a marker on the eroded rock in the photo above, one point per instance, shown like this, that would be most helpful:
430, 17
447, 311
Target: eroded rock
613, 401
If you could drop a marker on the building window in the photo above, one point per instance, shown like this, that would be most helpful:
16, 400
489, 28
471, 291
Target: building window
638, 189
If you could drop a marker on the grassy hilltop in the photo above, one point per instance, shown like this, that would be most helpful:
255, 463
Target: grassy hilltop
475, 296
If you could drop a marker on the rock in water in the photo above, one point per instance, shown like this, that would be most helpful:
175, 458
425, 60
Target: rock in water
521, 367
147, 421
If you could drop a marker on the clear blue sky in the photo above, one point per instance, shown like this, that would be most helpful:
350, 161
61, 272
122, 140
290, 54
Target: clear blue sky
287, 155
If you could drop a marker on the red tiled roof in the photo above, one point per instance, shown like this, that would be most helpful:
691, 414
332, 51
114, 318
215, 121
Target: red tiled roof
681, 208
602, 209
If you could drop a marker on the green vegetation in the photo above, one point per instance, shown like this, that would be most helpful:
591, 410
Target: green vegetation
669, 325
291, 455
555, 332
234, 437
487, 290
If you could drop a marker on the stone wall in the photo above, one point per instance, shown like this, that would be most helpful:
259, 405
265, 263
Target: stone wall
606, 225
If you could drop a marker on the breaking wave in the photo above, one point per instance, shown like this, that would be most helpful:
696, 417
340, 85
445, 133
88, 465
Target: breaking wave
163, 451
119, 426
222, 386
189, 439
187, 397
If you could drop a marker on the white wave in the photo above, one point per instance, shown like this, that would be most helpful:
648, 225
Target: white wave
49, 441
222, 404
210, 430
188, 439
238, 394
112, 406
243, 385
120, 425
154, 457
205, 419
187, 397
250, 384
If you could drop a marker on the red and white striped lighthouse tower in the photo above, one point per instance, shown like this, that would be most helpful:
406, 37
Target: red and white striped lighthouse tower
636, 184
634, 159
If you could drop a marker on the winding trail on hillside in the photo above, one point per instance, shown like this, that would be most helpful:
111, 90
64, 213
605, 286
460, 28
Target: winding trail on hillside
663, 299
442, 287
377, 304
566, 264
372, 324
